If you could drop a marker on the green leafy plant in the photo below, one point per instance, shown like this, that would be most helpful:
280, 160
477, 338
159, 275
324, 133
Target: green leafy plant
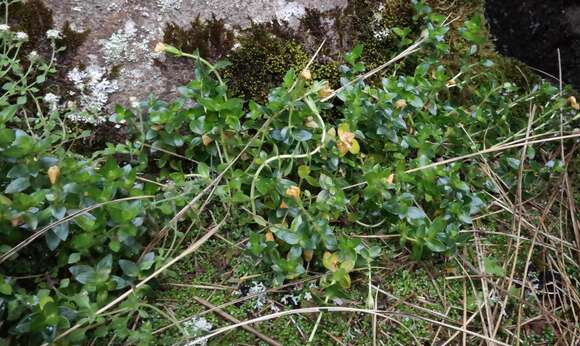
296, 175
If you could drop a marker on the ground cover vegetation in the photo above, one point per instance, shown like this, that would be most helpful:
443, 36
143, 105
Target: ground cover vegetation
418, 188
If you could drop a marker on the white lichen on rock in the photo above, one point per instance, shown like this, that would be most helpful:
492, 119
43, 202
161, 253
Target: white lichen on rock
93, 92
119, 47
289, 11
168, 5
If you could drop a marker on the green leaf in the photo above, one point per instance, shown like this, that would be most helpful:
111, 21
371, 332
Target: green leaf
8, 113
203, 170
52, 241
82, 273
129, 268
303, 136
286, 236
326, 182
74, 257
492, 267
303, 171
354, 55
147, 261
105, 265
330, 261
415, 213
5, 288
435, 245
17, 185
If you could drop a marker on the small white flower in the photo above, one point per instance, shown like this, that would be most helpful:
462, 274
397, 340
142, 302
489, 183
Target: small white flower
308, 296
21, 36
51, 98
4, 27
33, 56
53, 34
134, 102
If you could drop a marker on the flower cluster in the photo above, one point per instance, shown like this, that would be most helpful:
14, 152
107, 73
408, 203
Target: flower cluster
53, 34
52, 101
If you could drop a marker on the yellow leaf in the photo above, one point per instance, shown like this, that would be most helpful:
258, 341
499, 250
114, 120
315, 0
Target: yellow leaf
400, 104
53, 174
308, 255
306, 74
293, 191
573, 103
342, 148
355, 147
346, 141
207, 140
311, 123
325, 92
390, 179
347, 265
330, 261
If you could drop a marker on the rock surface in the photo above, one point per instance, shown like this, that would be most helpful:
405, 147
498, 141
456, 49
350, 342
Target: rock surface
124, 32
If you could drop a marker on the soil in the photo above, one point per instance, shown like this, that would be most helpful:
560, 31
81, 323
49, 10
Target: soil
533, 31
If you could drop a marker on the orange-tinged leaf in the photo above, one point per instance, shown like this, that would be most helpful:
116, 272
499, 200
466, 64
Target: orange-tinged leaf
53, 174
207, 140
293, 191
325, 92
342, 148
574, 103
283, 205
400, 104
346, 141
308, 255
269, 236
330, 261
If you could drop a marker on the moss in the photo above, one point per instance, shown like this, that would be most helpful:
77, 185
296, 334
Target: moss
71, 39
262, 61
312, 22
327, 71
34, 18
211, 38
